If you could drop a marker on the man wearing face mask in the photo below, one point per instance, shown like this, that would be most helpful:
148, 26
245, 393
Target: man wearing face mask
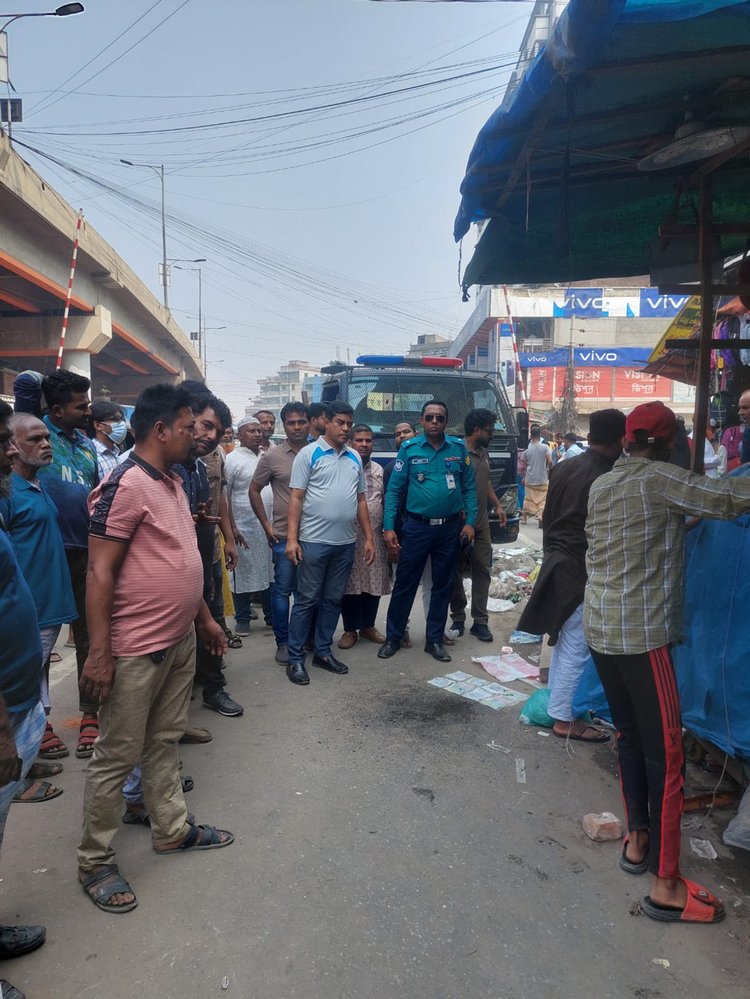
107, 430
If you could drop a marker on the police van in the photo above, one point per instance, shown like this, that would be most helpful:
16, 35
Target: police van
386, 390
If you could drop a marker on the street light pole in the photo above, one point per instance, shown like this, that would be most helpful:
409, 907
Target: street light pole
199, 272
63, 11
159, 171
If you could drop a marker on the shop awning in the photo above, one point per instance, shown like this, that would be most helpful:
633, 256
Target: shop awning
555, 171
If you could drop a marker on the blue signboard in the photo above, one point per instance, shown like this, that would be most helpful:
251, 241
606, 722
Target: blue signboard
588, 357
584, 303
656, 306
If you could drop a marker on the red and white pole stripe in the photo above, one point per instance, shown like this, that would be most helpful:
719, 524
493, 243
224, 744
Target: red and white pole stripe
520, 387
70, 292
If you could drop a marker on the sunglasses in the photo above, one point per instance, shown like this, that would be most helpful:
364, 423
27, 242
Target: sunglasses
433, 418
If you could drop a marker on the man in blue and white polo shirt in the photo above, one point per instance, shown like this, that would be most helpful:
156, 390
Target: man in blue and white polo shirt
327, 494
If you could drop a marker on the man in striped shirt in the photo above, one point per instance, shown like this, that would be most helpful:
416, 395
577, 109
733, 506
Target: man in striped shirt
633, 613
145, 604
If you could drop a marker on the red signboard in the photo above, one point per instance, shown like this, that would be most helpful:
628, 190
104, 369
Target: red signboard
599, 385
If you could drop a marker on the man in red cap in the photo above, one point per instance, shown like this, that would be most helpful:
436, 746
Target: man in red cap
633, 613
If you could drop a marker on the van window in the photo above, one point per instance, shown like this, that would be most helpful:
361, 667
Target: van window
383, 400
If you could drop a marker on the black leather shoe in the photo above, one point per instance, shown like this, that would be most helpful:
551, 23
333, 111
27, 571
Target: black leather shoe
8, 991
331, 663
458, 627
437, 651
17, 940
297, 673
482, 632
388, 649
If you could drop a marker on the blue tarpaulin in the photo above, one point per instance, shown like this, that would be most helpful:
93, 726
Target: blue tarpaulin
712, 662
555, 168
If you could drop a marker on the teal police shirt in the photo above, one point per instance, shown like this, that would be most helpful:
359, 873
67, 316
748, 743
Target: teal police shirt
438, 482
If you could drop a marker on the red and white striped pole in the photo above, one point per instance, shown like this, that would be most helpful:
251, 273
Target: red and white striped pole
70, 292
516, 359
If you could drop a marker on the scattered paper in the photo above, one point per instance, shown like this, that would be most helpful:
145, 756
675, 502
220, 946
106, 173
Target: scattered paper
40, 870
545, 735
440, 681
520, 771
458, 675
460, 688
496, 745
508, 667
504, 700
497, 606
703, 848
661, 961
477, 694
524, 638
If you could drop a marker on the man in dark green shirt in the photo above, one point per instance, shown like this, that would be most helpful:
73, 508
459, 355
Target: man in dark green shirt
435, 474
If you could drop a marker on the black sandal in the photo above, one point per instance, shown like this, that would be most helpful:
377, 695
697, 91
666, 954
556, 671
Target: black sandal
103, 884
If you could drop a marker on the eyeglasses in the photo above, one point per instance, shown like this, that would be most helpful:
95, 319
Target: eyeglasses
433, 418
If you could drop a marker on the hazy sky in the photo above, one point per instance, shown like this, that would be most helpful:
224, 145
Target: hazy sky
325, 230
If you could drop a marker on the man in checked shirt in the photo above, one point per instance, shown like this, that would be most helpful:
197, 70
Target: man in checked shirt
633, 613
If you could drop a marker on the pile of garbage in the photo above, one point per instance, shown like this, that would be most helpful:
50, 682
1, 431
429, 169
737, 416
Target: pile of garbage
514, 572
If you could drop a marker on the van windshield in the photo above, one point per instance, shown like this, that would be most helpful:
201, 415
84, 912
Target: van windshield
384, 399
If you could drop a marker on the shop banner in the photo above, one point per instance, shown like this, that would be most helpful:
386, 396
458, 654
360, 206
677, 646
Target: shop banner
587, 357
601, 385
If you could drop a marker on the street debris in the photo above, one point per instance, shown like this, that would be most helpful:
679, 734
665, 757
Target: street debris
661, 961
496, 745
703, 848
508, 667
602, 827
474, 688
525, 638
225, 983
520, 770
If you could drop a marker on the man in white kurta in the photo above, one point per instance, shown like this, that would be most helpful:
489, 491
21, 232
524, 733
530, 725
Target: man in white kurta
254, 572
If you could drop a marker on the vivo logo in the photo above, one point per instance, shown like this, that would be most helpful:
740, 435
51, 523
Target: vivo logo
596, 355
666, 301
583, 302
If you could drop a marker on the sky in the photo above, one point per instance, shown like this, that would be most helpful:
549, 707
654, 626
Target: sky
313, 152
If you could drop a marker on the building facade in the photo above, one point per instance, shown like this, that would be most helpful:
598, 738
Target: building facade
293, 382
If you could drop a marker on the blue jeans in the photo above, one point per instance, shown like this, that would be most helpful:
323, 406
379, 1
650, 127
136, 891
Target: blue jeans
322, 576
419, 542
243, 603
284, 583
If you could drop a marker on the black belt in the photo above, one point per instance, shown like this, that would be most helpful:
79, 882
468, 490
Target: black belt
433, 521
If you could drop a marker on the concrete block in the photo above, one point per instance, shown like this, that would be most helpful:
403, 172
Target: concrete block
602, 826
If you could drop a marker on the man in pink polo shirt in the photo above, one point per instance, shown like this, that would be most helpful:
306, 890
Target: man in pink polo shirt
144, 605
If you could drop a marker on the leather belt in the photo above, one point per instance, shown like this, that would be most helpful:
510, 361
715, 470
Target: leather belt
433, 521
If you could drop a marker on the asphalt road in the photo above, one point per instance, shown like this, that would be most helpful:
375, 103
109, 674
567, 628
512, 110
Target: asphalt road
383, 851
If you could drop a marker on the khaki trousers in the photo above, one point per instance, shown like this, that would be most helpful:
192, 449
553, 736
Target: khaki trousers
142, 721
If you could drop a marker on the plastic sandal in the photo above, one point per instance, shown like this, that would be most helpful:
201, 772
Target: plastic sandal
52, 747
103, 884
29, 792
701, 907
193, 841
87, 736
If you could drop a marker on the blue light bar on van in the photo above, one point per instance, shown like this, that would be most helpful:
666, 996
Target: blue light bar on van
401, 361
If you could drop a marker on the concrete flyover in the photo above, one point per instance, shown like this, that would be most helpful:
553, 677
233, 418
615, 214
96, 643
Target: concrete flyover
118, 334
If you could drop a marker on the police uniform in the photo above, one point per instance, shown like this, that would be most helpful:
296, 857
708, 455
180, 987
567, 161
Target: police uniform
439, 486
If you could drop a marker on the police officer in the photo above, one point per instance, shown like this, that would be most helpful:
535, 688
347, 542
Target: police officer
435, 473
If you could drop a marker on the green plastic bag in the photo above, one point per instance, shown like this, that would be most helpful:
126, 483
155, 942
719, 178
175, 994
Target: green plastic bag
534, 711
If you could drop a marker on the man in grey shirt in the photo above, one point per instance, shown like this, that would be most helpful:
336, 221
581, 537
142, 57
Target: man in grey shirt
538, 464
327, 493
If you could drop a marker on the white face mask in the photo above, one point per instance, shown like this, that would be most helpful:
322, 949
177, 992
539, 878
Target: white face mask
119, 432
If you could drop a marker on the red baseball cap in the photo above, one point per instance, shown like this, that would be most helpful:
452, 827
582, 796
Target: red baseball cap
653, 418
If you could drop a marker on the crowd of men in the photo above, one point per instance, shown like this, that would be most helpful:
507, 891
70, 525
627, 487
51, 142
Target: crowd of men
311, 529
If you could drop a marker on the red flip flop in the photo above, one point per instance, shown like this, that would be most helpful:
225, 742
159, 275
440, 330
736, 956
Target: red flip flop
698, 908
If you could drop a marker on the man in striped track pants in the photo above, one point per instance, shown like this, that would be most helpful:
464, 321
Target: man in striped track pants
633, 613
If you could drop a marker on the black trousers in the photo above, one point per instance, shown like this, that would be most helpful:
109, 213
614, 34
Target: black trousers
208, 671
78, 559
359, 610
643, 698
